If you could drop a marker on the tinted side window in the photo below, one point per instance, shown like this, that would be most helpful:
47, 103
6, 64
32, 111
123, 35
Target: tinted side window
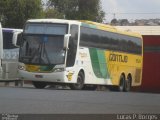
108, 40
72, 45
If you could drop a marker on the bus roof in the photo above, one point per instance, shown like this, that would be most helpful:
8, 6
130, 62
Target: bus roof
110, 28
54, 21
11, 30
89, 24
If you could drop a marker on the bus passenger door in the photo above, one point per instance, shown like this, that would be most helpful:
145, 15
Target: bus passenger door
72, 51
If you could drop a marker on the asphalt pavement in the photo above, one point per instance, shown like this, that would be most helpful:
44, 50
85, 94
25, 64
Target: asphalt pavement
28, 100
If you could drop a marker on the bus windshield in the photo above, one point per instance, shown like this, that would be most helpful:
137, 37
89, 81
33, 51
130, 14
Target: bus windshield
43, 44
42, 49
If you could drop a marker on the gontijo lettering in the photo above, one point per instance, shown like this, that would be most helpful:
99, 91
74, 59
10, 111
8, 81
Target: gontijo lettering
118, 58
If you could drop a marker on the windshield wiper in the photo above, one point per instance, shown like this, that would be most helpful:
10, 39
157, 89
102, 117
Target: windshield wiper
38, 56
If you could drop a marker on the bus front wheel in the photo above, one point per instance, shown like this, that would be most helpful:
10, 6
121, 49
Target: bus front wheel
80, 82
39, 85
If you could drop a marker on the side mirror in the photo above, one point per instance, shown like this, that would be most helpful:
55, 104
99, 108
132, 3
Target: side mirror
16, 38
66, 41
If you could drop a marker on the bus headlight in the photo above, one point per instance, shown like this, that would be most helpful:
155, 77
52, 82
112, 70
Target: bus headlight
58, 70
21, 67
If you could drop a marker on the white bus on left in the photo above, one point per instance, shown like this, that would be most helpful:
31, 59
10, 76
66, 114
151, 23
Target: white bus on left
9, 54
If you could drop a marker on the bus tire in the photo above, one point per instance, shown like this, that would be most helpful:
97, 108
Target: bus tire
121, 86
128, 83
80, 82
39, 85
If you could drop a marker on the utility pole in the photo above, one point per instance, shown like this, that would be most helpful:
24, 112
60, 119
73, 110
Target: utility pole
114, 15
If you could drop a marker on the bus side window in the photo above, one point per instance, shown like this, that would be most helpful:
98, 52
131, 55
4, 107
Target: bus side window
72, 46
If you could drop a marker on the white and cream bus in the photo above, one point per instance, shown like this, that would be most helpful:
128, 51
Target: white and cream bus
79, 53
9, 61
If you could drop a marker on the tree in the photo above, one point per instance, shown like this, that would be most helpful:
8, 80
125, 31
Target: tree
14, 13
114, 21
52, 13
66, 7
79, 9
91, 10
124, 22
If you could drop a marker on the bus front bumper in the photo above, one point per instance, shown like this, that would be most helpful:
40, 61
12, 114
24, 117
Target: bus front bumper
59, 77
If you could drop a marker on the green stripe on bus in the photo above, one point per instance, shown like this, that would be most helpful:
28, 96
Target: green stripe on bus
102, 63
99, 64
95, 62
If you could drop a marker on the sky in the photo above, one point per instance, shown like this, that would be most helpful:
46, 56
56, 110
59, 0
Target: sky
131, 9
